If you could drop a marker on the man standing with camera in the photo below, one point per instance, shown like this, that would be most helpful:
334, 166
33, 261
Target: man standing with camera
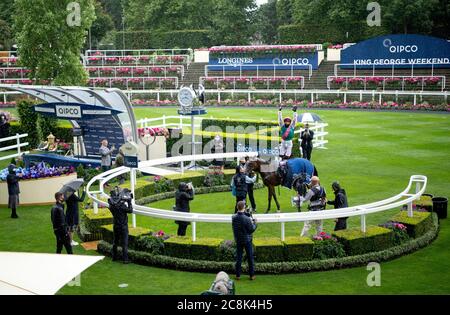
183, 196
120, 204
243, 227
307, 137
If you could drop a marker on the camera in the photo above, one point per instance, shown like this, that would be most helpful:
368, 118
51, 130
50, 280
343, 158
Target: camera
189, 186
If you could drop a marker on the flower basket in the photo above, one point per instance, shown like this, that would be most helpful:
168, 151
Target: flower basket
241, 83
259, 84
356, 83
151, 83
157, 72
135, 83
168, 83
143, 60
119, 83
393, 84
275, 83
210, 83
123, 72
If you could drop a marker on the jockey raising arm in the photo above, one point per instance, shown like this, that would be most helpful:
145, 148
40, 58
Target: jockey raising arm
287, 128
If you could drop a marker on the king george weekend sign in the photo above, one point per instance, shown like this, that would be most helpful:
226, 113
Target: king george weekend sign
402, 51
279, 62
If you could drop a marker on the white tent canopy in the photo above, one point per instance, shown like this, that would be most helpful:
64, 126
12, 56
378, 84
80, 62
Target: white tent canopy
39, 274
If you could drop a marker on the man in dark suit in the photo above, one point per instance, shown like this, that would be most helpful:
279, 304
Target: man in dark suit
307, 137
59, 225
340, 201
13, 190
243, 228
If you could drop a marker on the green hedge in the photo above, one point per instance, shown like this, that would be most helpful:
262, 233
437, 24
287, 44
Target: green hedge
357, 242
63, 133
298, 248
144, 258
268, 249
326, 33
163, 40
133, 234
416, 226
201, 249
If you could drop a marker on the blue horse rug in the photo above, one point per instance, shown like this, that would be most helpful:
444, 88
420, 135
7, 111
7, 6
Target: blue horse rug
295, 167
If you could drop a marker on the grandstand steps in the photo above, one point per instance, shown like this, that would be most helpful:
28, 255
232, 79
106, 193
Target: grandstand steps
193, 73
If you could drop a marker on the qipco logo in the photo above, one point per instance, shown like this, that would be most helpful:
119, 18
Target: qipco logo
290, 61
396, 49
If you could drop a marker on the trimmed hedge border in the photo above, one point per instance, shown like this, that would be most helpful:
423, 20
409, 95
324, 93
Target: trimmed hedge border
281, 267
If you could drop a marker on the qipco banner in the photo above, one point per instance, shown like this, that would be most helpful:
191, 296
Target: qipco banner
402, 51
277, 62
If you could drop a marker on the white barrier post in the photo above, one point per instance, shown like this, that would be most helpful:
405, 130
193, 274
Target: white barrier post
95, 204
282, 231
18, 144
194, 228
133, 184
410, 210
363, 223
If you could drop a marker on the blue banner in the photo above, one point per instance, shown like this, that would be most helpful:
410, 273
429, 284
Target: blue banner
402, 51
277, 62
74, 110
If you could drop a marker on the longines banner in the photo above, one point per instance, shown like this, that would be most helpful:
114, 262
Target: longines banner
399, 50
279, 62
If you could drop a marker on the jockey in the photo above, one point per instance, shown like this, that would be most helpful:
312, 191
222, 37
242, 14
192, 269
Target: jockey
287, 128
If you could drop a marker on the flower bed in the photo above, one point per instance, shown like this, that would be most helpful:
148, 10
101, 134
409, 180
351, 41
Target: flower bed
386, 83
258, 51
40, 170
245, 83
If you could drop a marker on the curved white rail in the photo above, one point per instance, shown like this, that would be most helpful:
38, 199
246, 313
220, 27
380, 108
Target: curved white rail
403, 198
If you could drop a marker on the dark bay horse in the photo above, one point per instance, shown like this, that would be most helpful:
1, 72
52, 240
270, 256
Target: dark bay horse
271, 177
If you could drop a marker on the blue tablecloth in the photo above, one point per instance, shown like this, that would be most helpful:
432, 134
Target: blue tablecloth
60, 160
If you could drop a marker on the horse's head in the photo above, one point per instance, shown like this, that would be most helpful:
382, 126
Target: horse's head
253, 165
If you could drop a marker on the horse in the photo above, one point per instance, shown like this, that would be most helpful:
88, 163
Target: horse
272, 178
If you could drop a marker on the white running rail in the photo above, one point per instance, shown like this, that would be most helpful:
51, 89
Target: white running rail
16, 146
416, 182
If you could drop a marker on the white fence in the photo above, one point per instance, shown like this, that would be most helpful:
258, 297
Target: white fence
406, 197
16, 146
285, 81
139, 52
391, 66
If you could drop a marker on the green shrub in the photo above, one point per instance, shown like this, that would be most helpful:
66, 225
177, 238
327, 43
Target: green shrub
28, 121
425, 202
268, 249
298, 248
328, 248
183, 247
357, 242
150, 244
144, 258
227, 251
416, 226
46, 125
163, 185
94, 222
133, 234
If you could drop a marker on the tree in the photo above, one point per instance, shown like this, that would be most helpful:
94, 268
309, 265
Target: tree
409, 16
267, 22
5, 35
114, 8
232, 21
284, 11
102, 24
7, 11
50, 38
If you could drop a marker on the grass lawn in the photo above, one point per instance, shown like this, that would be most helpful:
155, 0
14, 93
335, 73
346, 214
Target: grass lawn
372, 154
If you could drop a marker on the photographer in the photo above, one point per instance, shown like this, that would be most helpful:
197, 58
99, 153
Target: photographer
307, 137
120, 204
183, 196
243, 227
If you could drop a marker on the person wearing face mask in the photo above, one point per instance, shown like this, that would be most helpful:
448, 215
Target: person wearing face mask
287, 128
306, 138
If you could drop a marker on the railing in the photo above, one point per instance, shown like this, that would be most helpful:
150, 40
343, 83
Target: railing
284, 81
258, 68
403, 198
21, 72
384, 67
16, 146
124, 61
130, 83
403, 79
140, 52
134, 71
313, 95
318, 127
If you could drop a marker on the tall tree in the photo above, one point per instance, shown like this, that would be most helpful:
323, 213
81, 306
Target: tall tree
232, 21
50, 35
267, 22
102, 24
284, 11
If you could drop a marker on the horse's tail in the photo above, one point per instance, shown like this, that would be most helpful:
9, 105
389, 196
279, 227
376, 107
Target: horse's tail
315, 173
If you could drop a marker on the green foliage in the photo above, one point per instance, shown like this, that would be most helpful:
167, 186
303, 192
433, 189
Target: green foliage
163, 39
280, 267
46, 125
80, 171
133, 234
102, 24
150, 244
28, 121
163, 185
51, 50
298, 248
183, 247
357, 242
268, 249
328, 248
416, 226
94, 222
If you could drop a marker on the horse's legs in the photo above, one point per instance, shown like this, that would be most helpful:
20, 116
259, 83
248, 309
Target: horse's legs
269, 194
275, 198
